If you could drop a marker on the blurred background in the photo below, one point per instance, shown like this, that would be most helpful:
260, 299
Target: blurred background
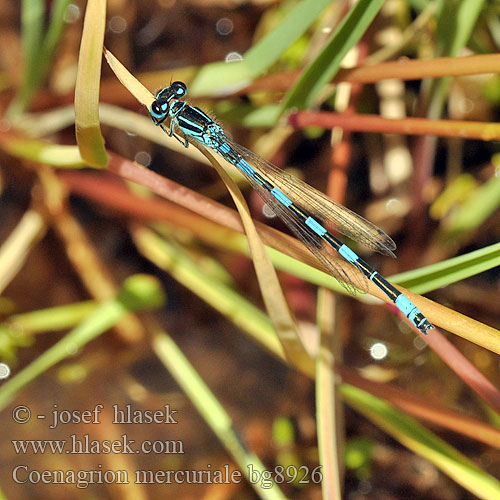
72, 238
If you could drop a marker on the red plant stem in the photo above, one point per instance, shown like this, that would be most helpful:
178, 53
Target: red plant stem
416, 69
424, 409
464, 368
411, 126
404, 69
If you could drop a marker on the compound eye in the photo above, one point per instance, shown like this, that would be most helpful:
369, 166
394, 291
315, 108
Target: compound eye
179, 89
156, 109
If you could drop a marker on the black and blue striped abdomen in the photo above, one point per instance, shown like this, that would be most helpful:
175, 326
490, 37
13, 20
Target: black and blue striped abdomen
196, 124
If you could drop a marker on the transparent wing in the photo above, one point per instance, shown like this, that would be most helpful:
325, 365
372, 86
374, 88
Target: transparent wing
316, 204
351, 281
331, 214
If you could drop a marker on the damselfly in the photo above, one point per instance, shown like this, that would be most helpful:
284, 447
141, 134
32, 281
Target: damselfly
308, 212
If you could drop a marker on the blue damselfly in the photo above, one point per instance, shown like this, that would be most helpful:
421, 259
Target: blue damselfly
307, 211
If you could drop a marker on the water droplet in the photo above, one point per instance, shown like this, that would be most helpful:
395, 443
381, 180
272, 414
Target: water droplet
393, 205
72, 13
224, 26
117, 24
419, 343
143, 158
268, 211
233, 56
378, 351
4, 371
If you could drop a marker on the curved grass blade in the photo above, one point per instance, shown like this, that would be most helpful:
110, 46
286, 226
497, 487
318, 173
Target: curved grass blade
274, 299
273, 296
88, 132
441, 316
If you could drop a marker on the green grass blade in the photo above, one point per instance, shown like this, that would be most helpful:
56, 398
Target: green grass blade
324, 67
456, 21
38, 47
54, 30
269, 49
56, 155
480, 205
420, 440
32, 18
139, 292
174, 260
50, 319
450, 271
223, 77
212, 411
